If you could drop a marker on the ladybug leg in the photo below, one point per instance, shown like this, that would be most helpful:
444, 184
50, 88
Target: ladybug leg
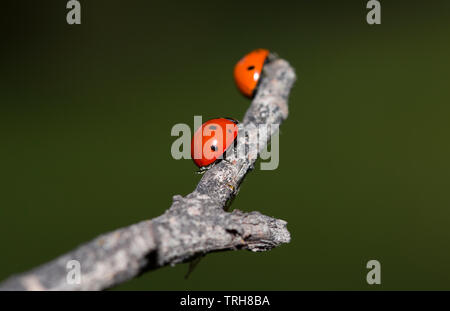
203, 169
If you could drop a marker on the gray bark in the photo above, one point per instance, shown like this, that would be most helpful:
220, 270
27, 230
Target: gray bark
194, 225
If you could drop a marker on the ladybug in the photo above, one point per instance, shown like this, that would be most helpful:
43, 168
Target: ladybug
211, 141
247, 71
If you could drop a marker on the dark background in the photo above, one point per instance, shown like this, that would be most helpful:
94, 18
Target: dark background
86, 113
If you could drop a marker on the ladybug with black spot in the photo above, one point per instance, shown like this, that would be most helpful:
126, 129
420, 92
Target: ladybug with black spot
248, 70
211, 141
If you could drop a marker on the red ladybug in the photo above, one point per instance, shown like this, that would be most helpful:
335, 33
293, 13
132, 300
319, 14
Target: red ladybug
247, 71
211, 141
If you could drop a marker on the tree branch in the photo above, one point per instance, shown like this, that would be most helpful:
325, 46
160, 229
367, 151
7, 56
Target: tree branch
194, 225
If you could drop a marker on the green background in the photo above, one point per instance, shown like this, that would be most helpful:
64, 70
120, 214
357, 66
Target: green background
86, 113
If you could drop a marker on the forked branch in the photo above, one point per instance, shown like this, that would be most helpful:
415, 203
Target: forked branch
194, 225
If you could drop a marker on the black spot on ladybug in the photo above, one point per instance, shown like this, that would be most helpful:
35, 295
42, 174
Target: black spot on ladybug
250, 67
213, 127
213, 148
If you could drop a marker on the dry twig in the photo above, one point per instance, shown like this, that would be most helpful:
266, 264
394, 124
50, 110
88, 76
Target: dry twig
194, 225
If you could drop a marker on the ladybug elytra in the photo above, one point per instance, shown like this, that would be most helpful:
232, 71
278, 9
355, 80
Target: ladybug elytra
211, 141
247, 71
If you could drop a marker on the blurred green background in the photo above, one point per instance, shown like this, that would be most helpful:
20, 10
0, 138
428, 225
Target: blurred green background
86, 113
